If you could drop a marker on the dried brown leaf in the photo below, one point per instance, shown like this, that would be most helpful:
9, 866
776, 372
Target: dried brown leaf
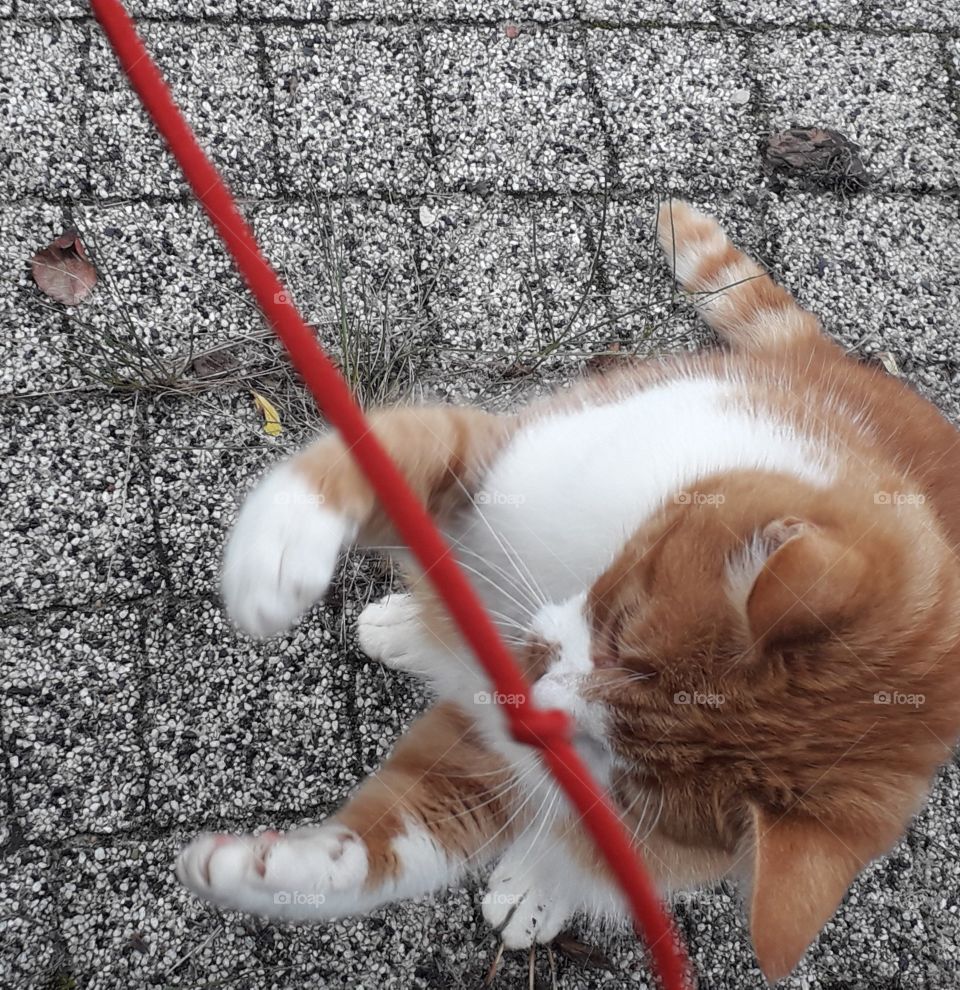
581, 953
138, 942
818, 156
63, 270
214, 364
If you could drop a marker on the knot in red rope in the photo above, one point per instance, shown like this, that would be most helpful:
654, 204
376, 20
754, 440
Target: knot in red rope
540, 727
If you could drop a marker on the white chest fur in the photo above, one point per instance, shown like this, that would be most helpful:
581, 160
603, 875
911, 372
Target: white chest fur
560, 500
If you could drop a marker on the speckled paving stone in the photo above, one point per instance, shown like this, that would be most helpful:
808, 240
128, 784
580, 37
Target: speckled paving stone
30, 946
348, 112
76, 528
303, 10
509, 278
36, 330
41, 102
511, 13
712, 925
880, 272
127, 922
237, 727
513, 114
386, 703
172, 9
678, 106
168, 291
435, 943
778, 13
924, 15
51, 9
165, 9
71, 722
206, 452
928, 15
341, 10
887, 94
214, 74
649, 11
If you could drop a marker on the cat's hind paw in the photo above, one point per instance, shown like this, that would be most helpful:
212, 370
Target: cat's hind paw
521, 911
281, 554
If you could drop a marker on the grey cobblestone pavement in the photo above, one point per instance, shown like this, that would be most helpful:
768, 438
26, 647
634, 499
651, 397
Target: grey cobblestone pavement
461, 196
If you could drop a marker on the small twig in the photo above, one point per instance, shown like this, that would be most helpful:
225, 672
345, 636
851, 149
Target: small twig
494, 966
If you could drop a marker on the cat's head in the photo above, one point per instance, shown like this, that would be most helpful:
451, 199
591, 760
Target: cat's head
777, 663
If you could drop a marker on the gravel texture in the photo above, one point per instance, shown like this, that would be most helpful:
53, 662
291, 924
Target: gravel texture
349, 114
671, 125
461, 197
513, 114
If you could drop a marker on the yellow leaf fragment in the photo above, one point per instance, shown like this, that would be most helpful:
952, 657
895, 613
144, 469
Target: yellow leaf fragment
271, 418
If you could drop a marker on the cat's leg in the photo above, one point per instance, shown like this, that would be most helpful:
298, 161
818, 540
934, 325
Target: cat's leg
284, 546
441, 804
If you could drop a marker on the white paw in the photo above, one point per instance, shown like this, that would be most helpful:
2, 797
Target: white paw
306, 874
281, 554
387, 630
522, 911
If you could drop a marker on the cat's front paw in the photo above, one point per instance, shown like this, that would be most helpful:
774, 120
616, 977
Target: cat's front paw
521, 910
307, 874
282, 552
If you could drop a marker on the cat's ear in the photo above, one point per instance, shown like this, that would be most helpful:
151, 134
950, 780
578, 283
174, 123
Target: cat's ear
800, 872
806, 584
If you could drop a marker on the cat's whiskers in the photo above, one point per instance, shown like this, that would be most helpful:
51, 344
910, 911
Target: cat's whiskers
656, 821
509, 551
631, 677
484, 577
517, 812
530, 605
546, 820
530, 592
496, 796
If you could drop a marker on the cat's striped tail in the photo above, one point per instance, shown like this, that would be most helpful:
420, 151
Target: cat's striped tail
733, 293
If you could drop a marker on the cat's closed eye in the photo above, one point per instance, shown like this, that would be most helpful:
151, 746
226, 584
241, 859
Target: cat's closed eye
606, 647
610, 652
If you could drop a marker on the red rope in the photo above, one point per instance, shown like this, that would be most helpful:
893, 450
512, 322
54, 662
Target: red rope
547, 730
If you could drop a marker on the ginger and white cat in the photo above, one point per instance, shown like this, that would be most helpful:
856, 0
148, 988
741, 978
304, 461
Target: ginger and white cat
736, 570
